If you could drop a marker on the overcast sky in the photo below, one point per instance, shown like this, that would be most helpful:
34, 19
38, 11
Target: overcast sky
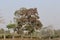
49, 10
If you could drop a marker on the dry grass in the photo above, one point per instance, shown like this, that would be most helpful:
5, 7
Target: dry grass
30, 39
21, 39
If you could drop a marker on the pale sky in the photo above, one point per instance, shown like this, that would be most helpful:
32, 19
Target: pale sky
49, 10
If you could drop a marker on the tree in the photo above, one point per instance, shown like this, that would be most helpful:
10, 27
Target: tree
27, 20
47, 32
1, 31
11, 26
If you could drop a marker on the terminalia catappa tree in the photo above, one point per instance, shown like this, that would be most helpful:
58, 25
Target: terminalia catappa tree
27, 20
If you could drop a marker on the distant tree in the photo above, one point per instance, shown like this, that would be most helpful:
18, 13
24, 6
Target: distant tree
47, 31
27, 20
1, 30
11, 26
7, 31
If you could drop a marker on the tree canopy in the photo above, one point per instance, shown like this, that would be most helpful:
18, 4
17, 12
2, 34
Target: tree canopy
9, 26
27, 19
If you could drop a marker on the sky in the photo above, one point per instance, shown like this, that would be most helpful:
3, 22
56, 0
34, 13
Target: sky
49, 10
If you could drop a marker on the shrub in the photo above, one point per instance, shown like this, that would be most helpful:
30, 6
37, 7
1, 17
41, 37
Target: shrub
8, 36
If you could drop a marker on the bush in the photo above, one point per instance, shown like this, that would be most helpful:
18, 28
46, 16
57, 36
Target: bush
1, 36
8, 36
17, 36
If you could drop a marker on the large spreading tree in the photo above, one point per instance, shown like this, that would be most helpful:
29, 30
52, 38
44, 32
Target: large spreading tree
27, 20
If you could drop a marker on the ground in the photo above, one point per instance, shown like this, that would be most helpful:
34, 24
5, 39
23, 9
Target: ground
30, 39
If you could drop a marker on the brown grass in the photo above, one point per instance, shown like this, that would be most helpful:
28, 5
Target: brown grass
21, 39
30, 39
